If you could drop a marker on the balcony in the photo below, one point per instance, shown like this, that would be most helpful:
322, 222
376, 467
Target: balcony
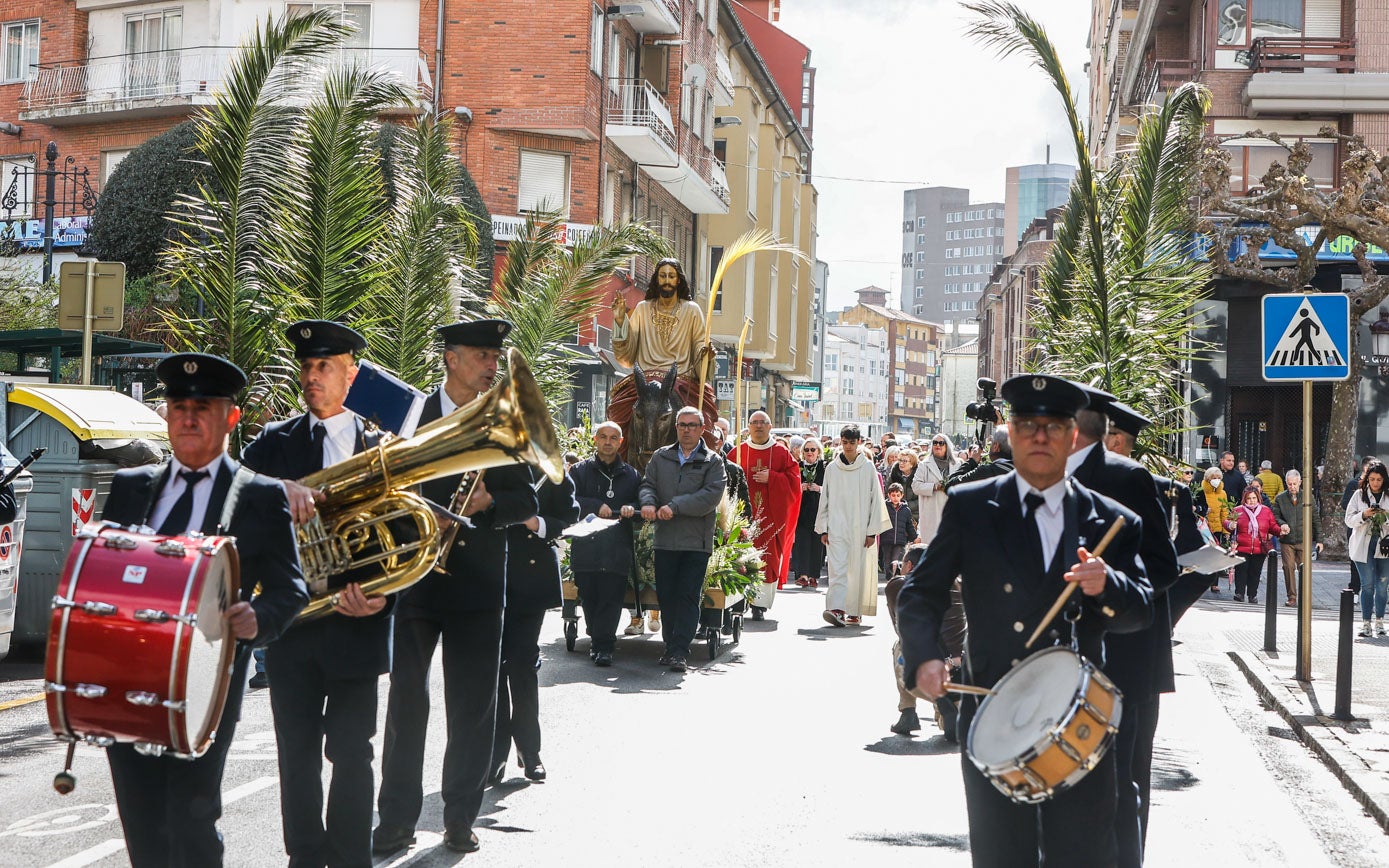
1161, 76
658, 17
1299, 54
639, 122
172, 83
698, 182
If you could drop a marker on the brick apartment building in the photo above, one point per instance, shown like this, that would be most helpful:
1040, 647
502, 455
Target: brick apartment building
1284, 66
913, 362
1004, 318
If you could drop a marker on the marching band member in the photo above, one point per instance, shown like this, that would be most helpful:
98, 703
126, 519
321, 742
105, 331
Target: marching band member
1016, 540
323, 673
169, 807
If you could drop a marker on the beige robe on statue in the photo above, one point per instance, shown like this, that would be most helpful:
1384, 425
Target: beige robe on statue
656, 340
852, 509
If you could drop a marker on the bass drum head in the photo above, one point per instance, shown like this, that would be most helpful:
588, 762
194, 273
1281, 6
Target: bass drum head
211, 648
1027, 703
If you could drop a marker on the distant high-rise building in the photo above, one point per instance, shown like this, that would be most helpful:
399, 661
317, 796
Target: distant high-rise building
1032, 191
949, 248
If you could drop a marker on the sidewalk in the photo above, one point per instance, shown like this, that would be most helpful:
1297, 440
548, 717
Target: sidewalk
1357, 751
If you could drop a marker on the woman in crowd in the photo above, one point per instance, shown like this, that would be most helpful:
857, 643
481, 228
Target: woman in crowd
808, 552
1366, 515
902, 473
1218, 517
1256, 528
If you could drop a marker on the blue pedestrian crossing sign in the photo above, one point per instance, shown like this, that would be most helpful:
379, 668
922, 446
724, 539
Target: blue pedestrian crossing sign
1306, 337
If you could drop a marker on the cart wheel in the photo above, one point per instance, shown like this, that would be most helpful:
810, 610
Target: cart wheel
714, 638
737, 629
571, 633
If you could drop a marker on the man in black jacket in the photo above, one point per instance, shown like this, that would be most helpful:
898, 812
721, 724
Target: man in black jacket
169, 807
1014, 541
1000, 462
606, 487
323, 673
1139, 663
532, 587
463, 607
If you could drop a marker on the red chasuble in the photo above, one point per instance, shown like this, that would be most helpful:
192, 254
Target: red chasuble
776, 503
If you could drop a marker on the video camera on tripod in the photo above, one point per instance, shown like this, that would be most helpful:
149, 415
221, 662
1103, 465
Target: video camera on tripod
985, 411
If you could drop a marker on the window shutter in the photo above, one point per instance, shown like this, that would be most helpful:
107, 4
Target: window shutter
544, 183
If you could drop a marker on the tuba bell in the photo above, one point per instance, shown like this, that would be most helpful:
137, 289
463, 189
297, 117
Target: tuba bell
371, 529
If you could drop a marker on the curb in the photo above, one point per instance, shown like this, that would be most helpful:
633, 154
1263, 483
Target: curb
1337, 757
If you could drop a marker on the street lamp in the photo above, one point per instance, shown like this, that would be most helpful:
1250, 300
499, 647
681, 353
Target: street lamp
1379, 334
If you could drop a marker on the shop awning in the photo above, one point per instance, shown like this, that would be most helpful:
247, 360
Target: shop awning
91, 412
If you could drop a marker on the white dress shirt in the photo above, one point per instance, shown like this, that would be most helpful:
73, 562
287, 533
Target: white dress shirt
1050, 516
340, 441
173, 490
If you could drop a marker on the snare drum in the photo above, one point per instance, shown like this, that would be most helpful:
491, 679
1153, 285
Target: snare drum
1049, 721
138, 650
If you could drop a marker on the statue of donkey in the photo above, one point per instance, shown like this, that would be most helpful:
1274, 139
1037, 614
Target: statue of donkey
653, 417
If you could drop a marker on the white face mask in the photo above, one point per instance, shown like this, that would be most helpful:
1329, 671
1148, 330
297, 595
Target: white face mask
1215, 483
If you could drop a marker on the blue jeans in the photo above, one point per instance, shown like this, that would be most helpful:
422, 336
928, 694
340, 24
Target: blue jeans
1374, 582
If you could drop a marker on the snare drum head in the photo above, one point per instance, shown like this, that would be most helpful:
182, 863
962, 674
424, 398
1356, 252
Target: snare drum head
209, 643
1026, 704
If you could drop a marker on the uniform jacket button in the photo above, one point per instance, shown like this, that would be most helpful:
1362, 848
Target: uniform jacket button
532, 561
1017, 627
1108, 612
1007, 587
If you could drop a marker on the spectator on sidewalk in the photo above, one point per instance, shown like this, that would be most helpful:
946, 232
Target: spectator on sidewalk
1218, 518
1254, 533
1233, 480
1273, 486
1352, 485
1287, 509
1369, 542
1243, 467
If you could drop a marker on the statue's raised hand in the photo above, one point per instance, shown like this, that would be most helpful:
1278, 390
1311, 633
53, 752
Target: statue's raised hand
619, 307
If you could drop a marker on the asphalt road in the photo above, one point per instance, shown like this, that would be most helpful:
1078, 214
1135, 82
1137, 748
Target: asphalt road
777, 753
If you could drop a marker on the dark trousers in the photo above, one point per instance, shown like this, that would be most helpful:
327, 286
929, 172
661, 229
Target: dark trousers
317, 715
1133, 756
1074, 829
1247, 575
888, 553
603, 595
169, 807
472, 643
518, 688
808, 553
679, 587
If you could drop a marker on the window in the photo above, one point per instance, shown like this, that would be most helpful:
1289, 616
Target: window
356, 14
752, 176
1240, 22
17, 178
920, 273
544, 183
109, 161
596, 24
920, 222
1250, 160
21, 50
920, 238
715, 257
831, 362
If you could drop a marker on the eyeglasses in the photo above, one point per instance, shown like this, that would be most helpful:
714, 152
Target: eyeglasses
1028, 427
939, 443
689, 424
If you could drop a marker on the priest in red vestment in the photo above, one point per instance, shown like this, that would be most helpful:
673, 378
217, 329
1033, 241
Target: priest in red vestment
774, 487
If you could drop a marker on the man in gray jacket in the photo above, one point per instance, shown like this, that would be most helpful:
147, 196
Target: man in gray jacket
681, 491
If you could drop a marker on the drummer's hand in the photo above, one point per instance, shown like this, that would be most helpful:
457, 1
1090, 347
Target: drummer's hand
604, 511
931, 678
354, 604
301, 500
648, 512
1089, 572
532, 524
665, 513
481, 499
241, 620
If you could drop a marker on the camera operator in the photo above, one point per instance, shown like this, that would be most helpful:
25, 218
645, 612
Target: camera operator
972, 470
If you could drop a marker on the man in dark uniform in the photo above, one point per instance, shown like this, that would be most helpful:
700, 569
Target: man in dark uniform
606, 487
170, 807
324, 673
1015, 541
463, 607
532, 587
1139, 663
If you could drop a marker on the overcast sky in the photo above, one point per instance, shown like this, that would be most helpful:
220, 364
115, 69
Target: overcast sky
902, 95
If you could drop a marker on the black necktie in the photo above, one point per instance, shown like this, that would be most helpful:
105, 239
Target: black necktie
1031, 530
176, 522
320, 434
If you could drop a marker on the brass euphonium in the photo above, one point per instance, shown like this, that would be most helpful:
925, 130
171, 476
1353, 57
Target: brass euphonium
385, 537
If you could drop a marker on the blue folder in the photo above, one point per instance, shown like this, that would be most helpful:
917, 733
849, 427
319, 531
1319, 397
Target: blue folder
379, 396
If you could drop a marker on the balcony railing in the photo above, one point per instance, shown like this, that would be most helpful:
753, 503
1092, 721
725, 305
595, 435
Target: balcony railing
188, 73
1297, 54
637, 104
1162, 75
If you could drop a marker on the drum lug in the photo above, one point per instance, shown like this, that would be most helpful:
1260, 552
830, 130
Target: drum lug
99, 740
89, 691
95, 608
171, 547
142, 698
148, 748
172, 705
54, 687
1067, 749
121, 541
159, 616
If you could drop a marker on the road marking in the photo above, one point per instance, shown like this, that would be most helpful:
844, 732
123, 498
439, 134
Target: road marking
246, 789
91, 854
23, 700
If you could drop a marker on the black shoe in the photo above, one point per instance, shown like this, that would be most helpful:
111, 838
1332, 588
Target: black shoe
592, 655
677, 664
758, 613
461, 840
1239, 598
907, 723
1253, 601
389, 839
665, 660
948, 716
603, 658
259, 681
498, 774
532, 768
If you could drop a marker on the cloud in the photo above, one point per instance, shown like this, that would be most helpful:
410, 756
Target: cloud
902, 94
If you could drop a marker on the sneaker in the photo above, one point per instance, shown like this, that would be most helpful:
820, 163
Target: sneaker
677, 664
653, 623
1366, 631
665, 660
1379, 627
636, 628
1253, 601
852, 620
834, 617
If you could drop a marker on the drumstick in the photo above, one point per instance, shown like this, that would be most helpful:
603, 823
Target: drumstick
1071, 586
969, 688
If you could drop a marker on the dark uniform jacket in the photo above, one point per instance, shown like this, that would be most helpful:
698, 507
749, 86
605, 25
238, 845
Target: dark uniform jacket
260, 522
974, 471
609, 551
532, 561
980, 540
350, 647
1139, 663
476, 566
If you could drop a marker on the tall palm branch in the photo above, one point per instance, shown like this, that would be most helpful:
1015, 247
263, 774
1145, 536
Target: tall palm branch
549, 291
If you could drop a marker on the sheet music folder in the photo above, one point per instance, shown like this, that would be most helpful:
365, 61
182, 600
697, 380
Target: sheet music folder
379, 396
